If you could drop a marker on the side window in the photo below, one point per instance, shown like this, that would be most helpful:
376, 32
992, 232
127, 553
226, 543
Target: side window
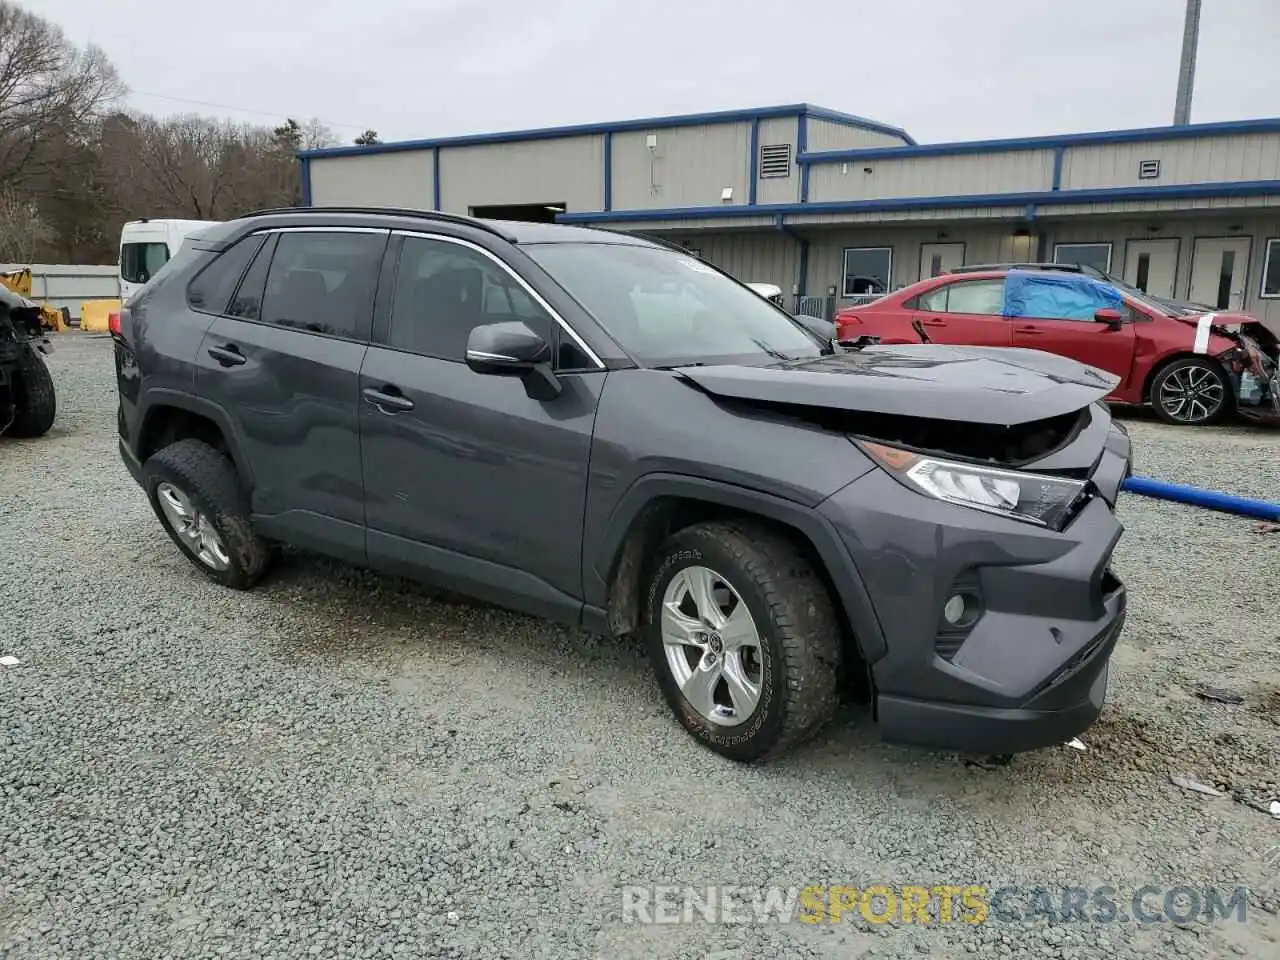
211, 289
935, 301
324, 282
444, 290
247, 303
978, 297
984, 297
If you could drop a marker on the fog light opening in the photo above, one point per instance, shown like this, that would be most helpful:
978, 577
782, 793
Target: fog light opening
960, 610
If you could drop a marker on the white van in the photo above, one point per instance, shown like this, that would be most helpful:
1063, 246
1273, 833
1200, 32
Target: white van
147, 245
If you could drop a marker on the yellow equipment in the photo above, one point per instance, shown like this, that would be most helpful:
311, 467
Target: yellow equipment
19, 281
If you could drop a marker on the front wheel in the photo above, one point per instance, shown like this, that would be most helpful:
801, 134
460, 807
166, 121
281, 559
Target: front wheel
1191, 392
744, 639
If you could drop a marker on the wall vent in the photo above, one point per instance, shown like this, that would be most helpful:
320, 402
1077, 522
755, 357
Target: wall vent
775, 160
1148, 169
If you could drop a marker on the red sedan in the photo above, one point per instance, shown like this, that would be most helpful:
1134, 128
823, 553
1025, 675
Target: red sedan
1193, 369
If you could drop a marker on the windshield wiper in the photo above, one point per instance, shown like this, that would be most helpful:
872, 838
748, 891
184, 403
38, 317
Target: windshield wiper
772, 351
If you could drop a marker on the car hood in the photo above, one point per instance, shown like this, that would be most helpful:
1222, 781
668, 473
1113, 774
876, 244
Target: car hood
995, 385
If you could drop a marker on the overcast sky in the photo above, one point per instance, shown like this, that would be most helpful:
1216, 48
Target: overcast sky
942, 69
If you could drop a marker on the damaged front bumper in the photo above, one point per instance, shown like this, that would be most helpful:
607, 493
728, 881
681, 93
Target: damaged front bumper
1254, 368
1028, 668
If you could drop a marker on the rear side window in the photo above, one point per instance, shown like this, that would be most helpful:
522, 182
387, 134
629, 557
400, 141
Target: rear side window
980, 297
139, 262
211, 290
324, 282
247, 303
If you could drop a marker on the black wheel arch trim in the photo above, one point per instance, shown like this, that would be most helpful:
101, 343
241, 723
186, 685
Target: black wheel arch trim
822, 536
158, 398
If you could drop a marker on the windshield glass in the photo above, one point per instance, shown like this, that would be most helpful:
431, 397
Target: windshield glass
140, 261
669, 309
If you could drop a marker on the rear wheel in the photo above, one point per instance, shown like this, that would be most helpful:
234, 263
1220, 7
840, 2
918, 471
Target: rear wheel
35, 404
1191, 392
744, 639
196, 493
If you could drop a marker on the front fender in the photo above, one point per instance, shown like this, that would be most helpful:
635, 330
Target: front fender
604, 552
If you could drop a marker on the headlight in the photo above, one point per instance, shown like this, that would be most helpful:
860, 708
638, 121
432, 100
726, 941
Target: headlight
1029, 497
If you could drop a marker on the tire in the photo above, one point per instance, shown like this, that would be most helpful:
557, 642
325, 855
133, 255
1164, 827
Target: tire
1192, 392
796, 660
35, 403
193, 479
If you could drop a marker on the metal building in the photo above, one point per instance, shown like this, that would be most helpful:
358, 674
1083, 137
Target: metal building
832, 207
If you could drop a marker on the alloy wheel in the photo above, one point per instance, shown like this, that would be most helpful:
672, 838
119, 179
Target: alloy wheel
712, 646
192, 527
1191, 394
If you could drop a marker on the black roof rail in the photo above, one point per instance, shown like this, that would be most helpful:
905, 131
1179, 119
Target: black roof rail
457, 218
979, 267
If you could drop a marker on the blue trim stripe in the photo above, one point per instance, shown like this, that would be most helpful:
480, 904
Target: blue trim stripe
616, 126
435, 178
802, 146
1243, 188
753, 163
608, 171
1147, 134
305, 173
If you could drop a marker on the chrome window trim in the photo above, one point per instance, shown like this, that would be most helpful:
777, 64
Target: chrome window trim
537, 297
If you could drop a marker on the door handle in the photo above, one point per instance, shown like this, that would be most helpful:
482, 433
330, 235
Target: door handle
386, 401
933, 322
1031, 331
228, 355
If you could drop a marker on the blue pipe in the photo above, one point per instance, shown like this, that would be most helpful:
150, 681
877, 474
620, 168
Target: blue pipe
1196, 497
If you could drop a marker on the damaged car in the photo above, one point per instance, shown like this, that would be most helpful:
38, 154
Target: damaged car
1193, 368
28, 401
603, 431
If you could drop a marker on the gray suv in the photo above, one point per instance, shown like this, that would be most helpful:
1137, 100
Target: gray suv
599, 429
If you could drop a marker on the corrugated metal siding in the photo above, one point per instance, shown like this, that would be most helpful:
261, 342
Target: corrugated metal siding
933, 176
753, 257
825, 135
779, 190
689, 167
378, 180
1202, 160
568, 171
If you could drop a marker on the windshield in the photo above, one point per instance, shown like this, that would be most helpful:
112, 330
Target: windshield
669, 309
140, 261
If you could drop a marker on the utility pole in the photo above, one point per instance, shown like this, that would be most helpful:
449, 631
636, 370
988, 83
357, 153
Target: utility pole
1187, 68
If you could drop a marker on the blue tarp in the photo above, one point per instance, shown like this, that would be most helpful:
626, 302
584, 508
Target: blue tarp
1058, 296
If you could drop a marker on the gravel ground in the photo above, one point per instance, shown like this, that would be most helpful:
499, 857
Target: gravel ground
341, 765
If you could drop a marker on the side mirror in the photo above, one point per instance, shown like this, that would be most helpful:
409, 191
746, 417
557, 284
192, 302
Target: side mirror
512, 349
1111, 317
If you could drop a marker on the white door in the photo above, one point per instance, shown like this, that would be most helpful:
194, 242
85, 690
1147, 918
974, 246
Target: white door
938, 258
1218, 271
1152, 265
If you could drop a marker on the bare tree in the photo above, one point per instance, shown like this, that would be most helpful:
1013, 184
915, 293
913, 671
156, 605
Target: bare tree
48, 88
23, 233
